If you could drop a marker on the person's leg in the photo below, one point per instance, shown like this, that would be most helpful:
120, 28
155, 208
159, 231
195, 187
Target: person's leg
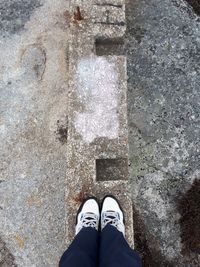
84, 249
114, 250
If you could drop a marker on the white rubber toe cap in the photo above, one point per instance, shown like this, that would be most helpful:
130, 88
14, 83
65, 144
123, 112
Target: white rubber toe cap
91, 206
110, 204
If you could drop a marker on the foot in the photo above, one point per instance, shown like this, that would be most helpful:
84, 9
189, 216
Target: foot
88, 215
112, 214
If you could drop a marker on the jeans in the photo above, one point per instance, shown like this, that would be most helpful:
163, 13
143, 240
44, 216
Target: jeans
106, 249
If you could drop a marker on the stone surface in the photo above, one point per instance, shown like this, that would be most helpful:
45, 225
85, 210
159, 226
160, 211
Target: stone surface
163, 44
164, 95
97, 113
33, 131
15, 14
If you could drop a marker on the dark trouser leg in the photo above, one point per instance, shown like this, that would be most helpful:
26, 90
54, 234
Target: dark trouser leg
83, 251
115, 251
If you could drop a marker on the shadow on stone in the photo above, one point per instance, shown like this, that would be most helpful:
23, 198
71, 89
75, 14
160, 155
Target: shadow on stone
149, 252
15, 13
6, 258
195, 4
189, 209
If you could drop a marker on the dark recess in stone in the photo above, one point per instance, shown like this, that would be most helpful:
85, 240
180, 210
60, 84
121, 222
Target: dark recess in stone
111, 169
195, 4
106, 47
189, 209
15, 13
117, 23
109, 4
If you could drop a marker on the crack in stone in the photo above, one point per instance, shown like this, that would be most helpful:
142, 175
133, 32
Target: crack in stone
109, 4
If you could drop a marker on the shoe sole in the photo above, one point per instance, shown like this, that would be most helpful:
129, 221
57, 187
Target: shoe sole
82, 204
111, 196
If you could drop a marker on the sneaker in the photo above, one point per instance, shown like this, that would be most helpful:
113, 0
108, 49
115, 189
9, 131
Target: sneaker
111, 213
88, 215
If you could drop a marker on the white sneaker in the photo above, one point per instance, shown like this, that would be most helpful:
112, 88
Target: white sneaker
88, 215
111, 213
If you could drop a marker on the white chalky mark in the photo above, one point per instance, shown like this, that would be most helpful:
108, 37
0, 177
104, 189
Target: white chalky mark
98, 89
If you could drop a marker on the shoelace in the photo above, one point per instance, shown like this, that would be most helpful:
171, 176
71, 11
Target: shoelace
111, 217
89, 220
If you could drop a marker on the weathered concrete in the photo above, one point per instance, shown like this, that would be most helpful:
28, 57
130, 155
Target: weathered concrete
163, 69
97, 113
163, 40
33, 122
15, 14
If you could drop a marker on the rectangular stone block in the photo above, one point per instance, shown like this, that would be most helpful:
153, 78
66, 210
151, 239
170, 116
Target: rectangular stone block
97, 157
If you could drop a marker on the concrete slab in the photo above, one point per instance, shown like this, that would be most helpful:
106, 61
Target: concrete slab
33, 119
97, 113
35, 125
